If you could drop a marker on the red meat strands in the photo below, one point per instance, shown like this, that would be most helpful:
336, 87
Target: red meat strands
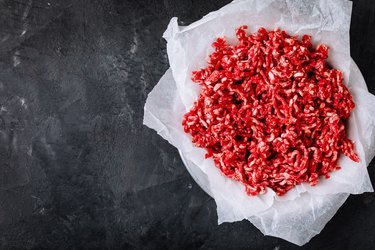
271, 111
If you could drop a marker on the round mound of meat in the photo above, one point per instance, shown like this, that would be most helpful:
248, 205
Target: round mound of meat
271, 111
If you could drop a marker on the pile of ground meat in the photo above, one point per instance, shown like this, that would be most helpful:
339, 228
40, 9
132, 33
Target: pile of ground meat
271, 111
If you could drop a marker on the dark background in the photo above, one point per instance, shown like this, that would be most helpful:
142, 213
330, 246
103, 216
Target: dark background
78, 170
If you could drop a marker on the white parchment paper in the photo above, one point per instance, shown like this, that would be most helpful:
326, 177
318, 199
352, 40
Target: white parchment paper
303, 211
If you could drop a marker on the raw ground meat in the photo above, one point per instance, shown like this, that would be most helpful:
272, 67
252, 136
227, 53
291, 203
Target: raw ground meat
271, 111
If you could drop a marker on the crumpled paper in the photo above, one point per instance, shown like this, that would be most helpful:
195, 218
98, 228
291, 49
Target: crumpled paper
303, 211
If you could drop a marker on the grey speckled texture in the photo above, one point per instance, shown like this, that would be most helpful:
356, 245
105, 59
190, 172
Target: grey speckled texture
79, 171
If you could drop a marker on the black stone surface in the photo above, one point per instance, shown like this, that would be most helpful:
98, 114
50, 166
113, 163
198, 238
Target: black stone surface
78, 170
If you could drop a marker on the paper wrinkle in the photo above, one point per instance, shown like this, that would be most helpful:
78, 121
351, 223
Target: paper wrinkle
303, 211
